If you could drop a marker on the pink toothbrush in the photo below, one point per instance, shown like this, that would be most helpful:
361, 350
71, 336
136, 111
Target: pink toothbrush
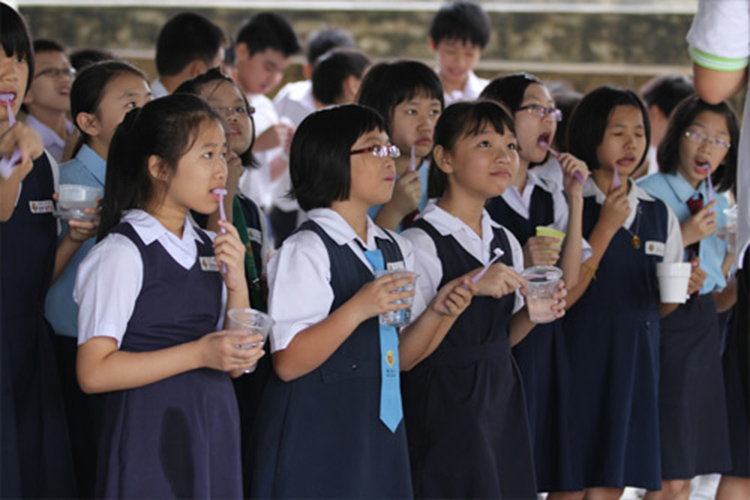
554, 153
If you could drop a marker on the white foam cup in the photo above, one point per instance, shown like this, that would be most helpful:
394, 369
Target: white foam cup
674, 278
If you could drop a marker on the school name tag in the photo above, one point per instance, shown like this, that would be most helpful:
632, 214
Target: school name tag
209, 264
655, 248
41, 207
255, 235
396, 266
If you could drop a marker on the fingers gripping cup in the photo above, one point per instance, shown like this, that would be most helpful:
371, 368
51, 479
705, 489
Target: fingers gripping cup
403, 316
252, 322
551, 232
73, 199
674, 278
540, 290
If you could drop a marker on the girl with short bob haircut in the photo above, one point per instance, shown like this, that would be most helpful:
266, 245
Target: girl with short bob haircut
409, 97
330, 424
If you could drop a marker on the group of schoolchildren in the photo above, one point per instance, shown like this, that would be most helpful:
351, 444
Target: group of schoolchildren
120, 375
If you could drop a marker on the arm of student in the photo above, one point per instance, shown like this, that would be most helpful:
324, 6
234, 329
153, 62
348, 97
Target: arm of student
570, 257
77, 232
230, 253
727, 298
714, 86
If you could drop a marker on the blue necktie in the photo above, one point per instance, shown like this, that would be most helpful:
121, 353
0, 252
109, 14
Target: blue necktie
391, 411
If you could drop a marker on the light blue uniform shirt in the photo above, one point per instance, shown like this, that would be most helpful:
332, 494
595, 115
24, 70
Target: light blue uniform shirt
424, 171
675, 191
88, 169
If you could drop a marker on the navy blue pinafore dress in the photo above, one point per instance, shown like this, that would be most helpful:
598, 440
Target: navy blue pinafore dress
543, 360
36, 454
464, 405
613, 335
179, 437
320, 436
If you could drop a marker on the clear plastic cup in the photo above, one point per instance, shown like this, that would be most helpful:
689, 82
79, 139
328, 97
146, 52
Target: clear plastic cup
730, 229
250, 321
540, 290
674, 278
73, 199
403, 316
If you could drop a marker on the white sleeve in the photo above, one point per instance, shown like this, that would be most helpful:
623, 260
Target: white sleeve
427, 265
107, 286
674, 251
719, 37
299, 282
517, 253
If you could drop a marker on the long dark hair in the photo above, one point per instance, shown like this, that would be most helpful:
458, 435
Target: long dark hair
166, 128
16, 38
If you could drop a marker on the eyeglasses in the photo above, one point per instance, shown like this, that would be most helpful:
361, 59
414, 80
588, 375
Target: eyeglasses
541, 111
57, 72
379, 151
699, 138
235, 110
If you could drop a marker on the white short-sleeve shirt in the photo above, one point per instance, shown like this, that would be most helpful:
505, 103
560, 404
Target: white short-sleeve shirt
300, 293
429, 266
719, 39
109, 279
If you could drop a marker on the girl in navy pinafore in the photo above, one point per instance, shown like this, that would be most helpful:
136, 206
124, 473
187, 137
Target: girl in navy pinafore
149, 294
613, 328
465, 407
692, 405
322, 430
530, 202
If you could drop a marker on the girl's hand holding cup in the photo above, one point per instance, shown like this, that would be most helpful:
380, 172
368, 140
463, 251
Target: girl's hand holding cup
541, 251
224, 351
380, 296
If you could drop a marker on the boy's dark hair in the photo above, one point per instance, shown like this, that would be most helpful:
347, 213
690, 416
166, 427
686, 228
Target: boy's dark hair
465, 21
332, 69
565, 102
165, 127
464, 119
668, 155
16, 38
509, 89
185, 38
320, 159
269, 30
86, 57
46, 45
88, 89
215, 77
324, 40
667, 91
588, 122
388, 84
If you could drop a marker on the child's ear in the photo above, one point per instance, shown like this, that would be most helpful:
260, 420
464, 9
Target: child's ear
196, 68
307, 71
241, 52
433, 45
88, 123
442, 159
351, 88
157, 168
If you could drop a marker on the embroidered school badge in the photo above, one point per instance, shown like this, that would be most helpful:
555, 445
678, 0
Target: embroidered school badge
209, 264
390, 358
41, 207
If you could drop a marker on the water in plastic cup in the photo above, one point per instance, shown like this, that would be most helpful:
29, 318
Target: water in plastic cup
250, 321
540, 290
73, 198
402, 317
730, 229
674, 278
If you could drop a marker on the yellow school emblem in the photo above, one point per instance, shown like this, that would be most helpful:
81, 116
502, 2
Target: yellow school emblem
390, 358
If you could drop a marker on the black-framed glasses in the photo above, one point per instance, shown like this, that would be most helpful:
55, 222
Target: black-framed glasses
57, 72
541, 111
235, 110
698, 138
379, 151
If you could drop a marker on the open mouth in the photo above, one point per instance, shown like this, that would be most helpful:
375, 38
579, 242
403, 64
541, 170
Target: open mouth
626, 161
544, 140
6, 97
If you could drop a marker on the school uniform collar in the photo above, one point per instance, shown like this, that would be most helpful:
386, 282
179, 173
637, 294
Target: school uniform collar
446, 223
472, 88
149, 229
682, 188
49, 136
341, 232
93, 163
158, 89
